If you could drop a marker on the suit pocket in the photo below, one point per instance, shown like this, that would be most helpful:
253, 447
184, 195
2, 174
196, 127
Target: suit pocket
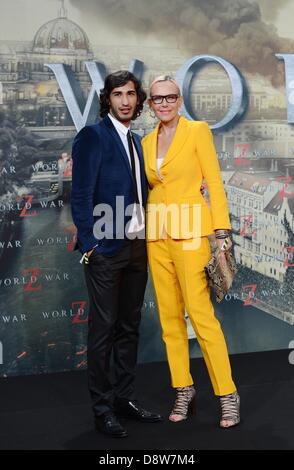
192, 199
95, 256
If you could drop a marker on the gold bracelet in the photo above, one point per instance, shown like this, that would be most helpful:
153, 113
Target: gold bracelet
221, 233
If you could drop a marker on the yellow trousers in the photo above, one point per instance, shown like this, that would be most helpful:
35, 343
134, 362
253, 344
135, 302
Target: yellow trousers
179, 280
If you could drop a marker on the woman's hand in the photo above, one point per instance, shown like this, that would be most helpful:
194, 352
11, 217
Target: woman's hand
223, 245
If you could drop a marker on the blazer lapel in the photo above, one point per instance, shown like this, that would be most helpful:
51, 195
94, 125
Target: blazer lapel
178, 141
138, 146
175, 147
153, 148
116, 137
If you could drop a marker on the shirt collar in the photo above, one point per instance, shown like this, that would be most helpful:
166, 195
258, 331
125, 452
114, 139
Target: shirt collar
118, 125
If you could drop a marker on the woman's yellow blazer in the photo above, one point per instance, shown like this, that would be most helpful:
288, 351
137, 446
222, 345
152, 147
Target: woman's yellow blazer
190, 159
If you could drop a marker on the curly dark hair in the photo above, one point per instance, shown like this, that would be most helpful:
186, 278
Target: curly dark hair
118, 79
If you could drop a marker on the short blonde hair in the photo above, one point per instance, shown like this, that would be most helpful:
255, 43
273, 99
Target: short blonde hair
164, 78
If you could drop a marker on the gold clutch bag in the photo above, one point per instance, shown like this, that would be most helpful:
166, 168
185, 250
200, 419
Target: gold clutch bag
220, 279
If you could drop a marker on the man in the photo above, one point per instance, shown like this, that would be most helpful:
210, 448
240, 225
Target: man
107, 168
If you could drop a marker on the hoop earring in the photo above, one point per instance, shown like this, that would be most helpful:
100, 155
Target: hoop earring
151, 115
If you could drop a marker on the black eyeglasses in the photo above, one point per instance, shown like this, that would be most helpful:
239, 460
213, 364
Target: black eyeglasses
158, 99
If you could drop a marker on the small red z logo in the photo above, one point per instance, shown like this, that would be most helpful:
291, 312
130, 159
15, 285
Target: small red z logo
287, 179
24, 213
34, 273
247, 223
244, 148
290, 250
76, 319
250, 295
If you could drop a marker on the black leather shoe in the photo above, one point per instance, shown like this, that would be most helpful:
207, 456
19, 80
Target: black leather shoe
109, 424
132, 409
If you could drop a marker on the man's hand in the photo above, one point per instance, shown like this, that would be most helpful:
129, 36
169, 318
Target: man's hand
90, 252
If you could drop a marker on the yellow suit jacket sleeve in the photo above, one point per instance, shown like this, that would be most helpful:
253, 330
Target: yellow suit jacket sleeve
211, 171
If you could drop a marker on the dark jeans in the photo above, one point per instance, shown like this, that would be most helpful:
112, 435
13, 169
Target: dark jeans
116, 287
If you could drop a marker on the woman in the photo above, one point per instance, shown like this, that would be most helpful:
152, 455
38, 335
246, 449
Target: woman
178, 155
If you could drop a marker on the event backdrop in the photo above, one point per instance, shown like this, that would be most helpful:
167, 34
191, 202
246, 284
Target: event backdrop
233, 60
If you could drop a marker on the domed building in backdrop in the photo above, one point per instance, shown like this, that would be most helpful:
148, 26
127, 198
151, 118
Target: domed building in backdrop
29, 84
61, 36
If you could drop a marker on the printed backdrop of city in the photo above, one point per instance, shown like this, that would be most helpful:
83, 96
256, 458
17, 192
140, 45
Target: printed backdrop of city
43, 299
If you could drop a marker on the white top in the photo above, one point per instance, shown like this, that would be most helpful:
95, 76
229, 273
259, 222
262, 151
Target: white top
122, 130
159, 163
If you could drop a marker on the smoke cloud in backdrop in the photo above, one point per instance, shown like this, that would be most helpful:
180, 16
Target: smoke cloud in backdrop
238, 30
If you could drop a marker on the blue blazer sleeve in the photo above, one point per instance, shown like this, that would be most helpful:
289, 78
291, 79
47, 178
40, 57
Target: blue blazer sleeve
86, 156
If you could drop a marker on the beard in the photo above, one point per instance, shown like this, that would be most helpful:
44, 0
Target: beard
121, 117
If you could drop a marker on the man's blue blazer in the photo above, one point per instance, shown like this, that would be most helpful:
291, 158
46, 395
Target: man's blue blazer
101, 172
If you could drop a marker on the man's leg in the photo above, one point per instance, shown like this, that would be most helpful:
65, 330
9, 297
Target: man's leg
132, 289
131, 297
103, 278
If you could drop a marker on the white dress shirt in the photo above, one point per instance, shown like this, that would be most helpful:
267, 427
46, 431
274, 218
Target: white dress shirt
122, 130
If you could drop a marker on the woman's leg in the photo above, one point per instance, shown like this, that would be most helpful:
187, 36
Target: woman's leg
189, 266
171, 311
